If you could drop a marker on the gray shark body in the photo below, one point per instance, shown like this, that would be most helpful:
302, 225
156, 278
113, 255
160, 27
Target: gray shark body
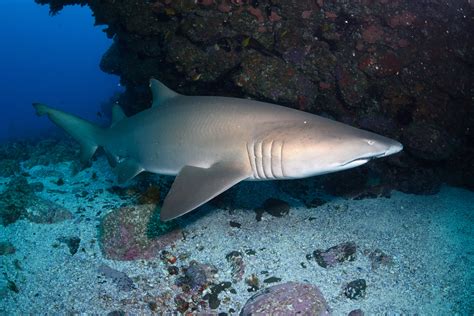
212, 143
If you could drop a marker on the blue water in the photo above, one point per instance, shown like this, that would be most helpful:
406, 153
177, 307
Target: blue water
45, 59
55, 60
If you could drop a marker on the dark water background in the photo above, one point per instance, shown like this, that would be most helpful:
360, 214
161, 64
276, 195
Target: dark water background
49, 59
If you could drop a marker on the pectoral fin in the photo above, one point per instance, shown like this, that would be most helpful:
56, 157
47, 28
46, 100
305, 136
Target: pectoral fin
195, 186
127, 169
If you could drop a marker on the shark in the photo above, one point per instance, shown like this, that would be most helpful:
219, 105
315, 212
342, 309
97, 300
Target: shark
211, 143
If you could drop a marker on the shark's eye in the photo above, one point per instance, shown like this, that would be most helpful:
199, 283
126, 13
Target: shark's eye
370, 142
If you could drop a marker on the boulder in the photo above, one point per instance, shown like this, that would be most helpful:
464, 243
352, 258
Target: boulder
288, 298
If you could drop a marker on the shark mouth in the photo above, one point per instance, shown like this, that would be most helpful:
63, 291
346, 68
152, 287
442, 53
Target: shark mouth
355, 162
362, 160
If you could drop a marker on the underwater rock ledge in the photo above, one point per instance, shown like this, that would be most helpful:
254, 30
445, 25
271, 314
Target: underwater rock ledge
399, 68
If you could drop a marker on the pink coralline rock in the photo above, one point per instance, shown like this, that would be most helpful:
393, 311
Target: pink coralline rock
306, 14
256, 13
352, 84
406, 18
402, 43
330, 15
274, 17
390, 65
224, 6
372, 34
335, 255
125, 234
289, 298
383, 65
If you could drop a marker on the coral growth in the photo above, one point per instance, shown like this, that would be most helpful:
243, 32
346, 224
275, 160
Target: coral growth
19, 200
130, 233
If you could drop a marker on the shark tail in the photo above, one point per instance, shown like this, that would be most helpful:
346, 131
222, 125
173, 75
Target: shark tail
87, 134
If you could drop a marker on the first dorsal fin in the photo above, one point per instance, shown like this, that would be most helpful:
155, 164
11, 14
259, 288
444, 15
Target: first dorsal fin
160, 92
117, 114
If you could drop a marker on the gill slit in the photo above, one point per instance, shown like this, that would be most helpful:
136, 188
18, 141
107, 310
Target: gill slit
281, 159
271, 159
251, 156
259, 159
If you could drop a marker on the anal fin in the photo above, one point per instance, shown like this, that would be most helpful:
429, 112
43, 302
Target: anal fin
127, 170
195, 186
87, 151
112, 159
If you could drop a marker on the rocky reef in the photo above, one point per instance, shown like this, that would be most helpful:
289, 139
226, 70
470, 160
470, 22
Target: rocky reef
400, 68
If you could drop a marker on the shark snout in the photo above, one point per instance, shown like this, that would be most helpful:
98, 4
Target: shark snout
393, 148
380, 148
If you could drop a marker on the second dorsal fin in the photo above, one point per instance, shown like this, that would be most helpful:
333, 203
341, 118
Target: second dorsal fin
160, 92
117, 114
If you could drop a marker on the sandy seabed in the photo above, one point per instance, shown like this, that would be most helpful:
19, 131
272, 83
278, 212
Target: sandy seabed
430, 240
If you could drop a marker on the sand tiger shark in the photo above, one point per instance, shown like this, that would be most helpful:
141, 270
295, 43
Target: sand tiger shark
212, 143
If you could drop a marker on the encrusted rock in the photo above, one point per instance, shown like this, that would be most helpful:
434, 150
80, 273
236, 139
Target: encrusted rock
215, 289
72, 242
10, 213
43, 211
201, 64
428, 142
20, 200
352, 84
14, 151
51, 151
134, 232
356, 312
355, 289
236, 261
334, 255
282, 82
287, 298
197, 276
253, 282
121, 279
9, 167
379, 258
6, 248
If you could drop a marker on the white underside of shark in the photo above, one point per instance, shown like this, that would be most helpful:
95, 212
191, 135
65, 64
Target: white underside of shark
212, 143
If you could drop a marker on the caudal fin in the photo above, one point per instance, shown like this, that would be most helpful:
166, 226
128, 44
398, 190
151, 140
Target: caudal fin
87, 134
